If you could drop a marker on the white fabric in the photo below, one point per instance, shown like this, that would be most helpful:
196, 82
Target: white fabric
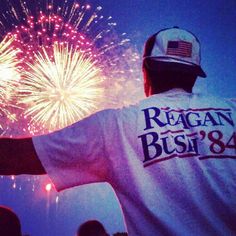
176, 34
170, 159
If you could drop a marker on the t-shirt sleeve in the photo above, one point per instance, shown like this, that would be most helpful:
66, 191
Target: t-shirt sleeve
74, 155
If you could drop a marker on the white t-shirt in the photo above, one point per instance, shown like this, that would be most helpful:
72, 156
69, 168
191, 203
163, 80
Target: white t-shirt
171, 161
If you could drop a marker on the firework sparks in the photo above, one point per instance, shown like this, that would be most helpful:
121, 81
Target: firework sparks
36, 27
8, 68
39, 25
63, 90
9, 77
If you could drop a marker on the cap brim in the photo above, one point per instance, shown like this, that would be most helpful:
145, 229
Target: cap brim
160, 65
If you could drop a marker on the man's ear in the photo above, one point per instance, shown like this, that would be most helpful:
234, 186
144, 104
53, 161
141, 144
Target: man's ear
146, 81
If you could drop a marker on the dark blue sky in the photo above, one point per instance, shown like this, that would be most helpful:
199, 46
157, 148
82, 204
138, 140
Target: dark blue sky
214, 24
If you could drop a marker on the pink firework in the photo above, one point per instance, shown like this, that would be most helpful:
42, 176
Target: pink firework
43, 31
38, 26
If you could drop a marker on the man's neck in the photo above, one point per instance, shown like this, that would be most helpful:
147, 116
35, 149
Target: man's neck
164, 90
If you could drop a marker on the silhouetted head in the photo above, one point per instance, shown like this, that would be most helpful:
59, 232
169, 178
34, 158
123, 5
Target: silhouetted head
9, 223
92, 228
171, 59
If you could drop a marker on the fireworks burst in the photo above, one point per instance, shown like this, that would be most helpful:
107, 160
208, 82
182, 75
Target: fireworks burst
39, 25
9, 78
8, 71
61, 91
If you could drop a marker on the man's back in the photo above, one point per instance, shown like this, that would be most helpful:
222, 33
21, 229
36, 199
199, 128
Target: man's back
171, 161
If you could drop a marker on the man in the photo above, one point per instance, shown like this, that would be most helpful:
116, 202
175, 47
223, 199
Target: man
9, 222
170, 159
92, 228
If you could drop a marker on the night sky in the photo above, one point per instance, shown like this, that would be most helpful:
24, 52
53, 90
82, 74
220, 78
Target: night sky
213, 22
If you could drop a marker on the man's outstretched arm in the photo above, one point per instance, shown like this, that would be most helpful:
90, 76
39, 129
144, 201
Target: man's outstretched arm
18, 156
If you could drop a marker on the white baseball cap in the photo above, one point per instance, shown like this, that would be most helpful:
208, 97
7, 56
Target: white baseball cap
174, 46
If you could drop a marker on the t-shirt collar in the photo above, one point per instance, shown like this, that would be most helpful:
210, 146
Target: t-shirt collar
174, 91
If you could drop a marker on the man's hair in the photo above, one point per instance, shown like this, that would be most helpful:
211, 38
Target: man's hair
167, 76
91, 228
9, 222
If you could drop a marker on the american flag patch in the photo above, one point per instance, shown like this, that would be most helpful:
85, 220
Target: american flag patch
179, 48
